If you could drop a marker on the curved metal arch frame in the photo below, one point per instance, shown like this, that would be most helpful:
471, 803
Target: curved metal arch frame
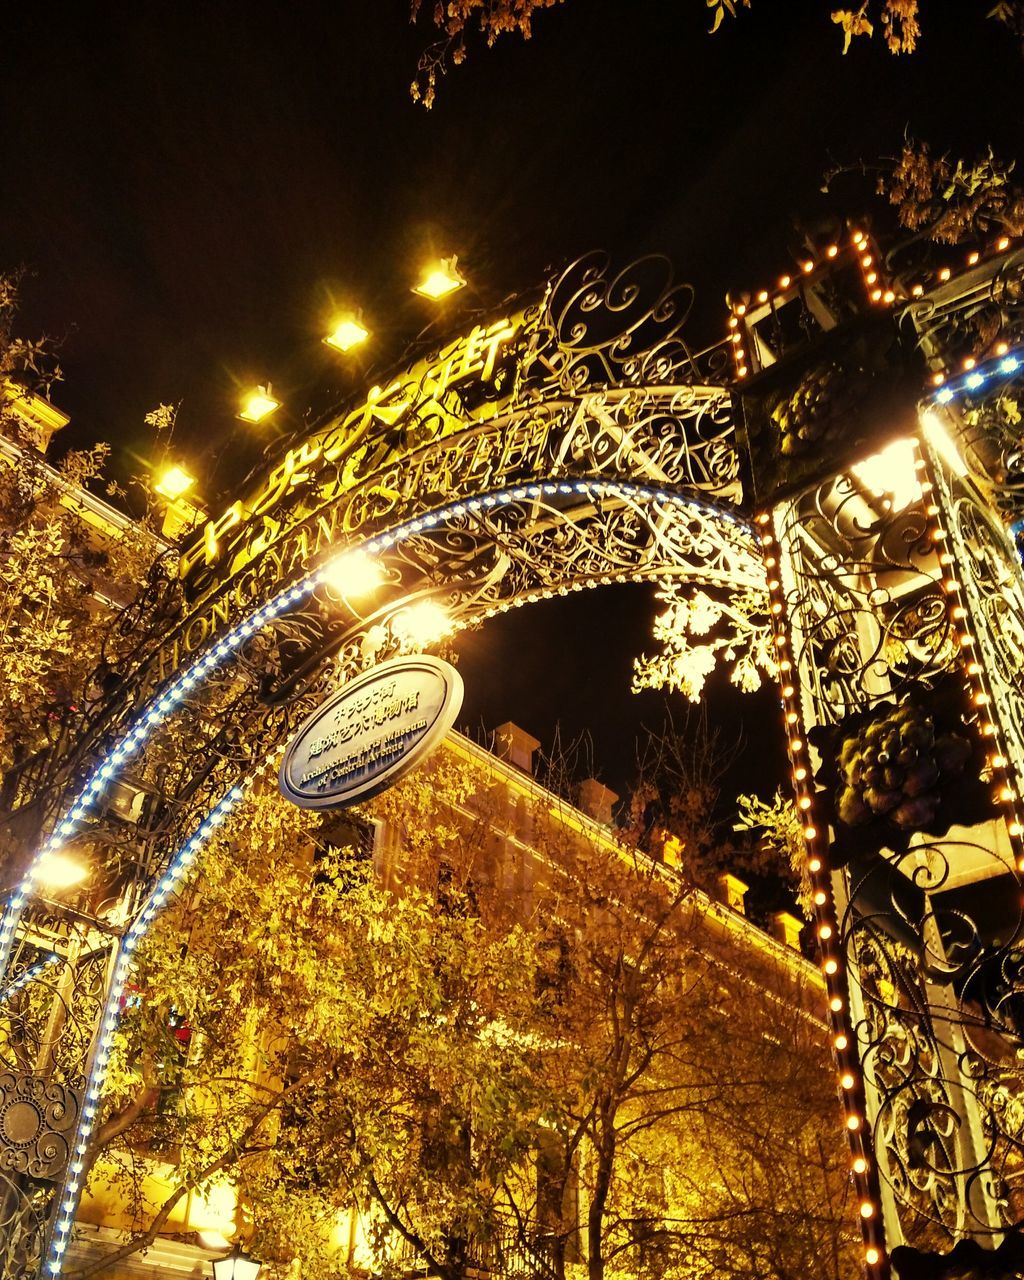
677, 437
665, 501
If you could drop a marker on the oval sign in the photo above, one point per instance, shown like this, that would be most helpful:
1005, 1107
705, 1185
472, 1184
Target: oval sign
373, 731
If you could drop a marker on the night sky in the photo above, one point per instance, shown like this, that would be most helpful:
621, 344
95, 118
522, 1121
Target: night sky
195, 188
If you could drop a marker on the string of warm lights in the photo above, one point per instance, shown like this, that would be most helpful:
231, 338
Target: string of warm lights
875, 286
169, 700
878, 289
850, 1080
942, 275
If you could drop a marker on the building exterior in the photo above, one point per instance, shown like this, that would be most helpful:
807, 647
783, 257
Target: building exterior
516, 849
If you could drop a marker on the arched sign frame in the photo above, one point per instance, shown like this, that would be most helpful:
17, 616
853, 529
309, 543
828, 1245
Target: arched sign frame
616, 462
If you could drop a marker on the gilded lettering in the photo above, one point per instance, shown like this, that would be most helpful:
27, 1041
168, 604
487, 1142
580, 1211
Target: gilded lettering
365, 438
298, 553
220, 612
195, 633
168, 660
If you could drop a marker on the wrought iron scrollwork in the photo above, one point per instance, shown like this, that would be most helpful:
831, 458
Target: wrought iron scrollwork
614, 328
928, 893
972, 312
596, 382
37, 1120
867, 603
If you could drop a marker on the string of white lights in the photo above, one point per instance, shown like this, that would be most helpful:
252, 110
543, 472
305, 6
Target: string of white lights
1004, 364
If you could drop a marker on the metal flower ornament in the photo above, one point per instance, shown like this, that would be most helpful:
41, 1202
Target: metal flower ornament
698, 631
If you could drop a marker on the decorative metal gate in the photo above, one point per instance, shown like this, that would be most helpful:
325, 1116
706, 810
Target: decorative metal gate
573, 442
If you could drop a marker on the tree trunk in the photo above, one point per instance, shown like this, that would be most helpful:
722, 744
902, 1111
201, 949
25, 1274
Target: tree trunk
599, 1200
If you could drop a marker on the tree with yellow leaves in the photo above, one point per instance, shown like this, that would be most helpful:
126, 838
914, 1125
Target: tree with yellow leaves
895, 22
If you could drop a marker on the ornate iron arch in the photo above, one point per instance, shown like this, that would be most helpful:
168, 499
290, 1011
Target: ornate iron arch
589, 453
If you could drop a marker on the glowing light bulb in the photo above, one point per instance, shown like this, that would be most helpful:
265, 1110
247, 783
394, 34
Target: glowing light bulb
423, 623
353, 574
56, 870
258, 404
347, 334
173, 483
441, 279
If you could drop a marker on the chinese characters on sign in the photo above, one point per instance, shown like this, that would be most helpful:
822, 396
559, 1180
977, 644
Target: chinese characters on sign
422, 406
371, 733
